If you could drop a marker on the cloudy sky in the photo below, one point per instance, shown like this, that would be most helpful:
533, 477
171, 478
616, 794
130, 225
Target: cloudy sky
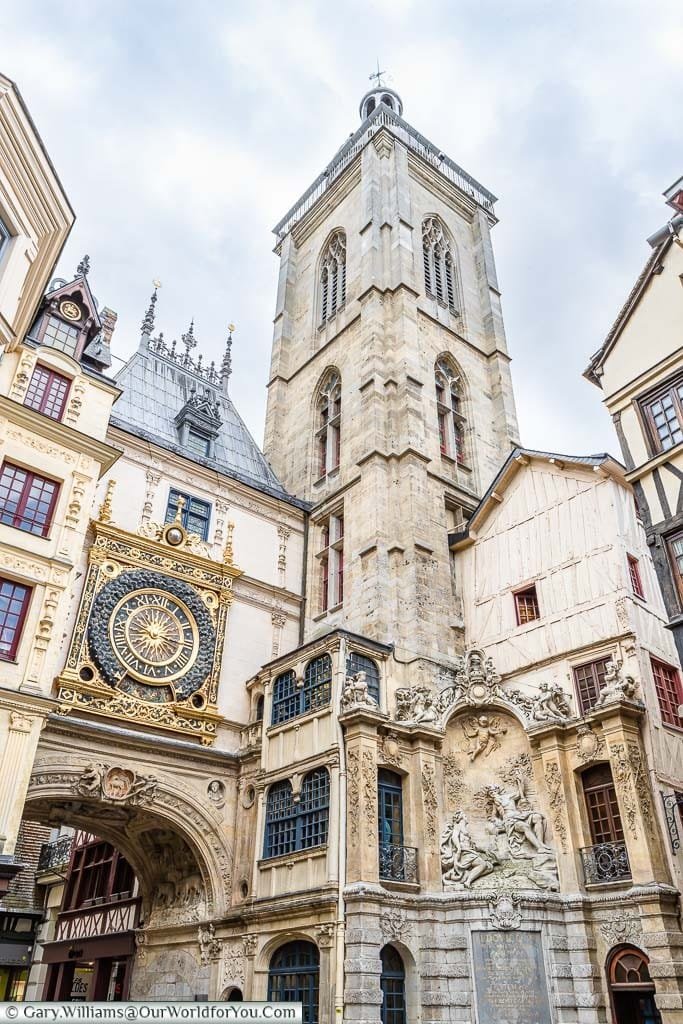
182, 132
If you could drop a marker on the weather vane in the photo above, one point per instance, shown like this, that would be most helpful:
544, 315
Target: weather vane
378, 75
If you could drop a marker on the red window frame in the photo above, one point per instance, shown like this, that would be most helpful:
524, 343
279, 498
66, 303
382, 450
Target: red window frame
10, 636
669, 692
22, 496
526, 605
602, 806
634, 574
43, 399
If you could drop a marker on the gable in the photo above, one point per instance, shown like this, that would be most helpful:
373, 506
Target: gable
654, 328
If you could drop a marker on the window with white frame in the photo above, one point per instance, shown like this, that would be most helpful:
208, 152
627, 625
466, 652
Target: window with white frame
449, 410
331, 560
333, 277
4, 237
440, 271
328, 435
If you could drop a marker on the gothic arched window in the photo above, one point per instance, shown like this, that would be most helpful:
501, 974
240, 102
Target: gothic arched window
328, 432
291, 700
333, 277
441, 279
297, 825
393, 985
317, 689
293, 976
449, 407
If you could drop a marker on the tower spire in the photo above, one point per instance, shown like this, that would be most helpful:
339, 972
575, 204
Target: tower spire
83, 268
188, 339
226, 365
147, 325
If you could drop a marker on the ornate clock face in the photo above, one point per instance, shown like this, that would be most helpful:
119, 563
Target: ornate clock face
151, 636
154, 636
70, 310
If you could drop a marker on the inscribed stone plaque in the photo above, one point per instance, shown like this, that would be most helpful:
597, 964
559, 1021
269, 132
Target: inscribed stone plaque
510, 978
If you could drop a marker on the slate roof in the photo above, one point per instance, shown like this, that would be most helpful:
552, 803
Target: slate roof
155, 389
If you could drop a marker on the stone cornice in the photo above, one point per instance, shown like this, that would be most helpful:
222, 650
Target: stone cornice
130, 742
58, 433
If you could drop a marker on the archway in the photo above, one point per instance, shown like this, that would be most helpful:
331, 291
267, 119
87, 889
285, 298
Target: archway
166, 827
632, 991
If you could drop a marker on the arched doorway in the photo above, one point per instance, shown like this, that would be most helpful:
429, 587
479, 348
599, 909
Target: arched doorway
293, 976
632, 990
393, 984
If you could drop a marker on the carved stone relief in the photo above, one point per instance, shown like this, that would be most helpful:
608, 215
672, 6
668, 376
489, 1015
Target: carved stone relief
430, 802
353, 790
497, 835
119, 785
616, 686
394, 925
390, 750
369, 773
630, 778
589, 745
476, 684
209, 945
553, 780
504, 912
621, 927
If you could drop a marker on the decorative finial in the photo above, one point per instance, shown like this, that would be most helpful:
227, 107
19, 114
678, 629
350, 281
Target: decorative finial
226, 365
188, 339
377, 75
83, 268
179, 511
104, 515
147, 325
228, 553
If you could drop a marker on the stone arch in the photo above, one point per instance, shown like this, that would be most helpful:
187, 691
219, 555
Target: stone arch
163, 829
413, 994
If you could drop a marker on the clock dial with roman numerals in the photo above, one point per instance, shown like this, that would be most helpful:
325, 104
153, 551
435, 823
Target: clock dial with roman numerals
151, 636
154, 636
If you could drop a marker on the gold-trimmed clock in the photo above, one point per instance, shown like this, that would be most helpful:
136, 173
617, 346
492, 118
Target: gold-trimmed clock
149, 636
152, 636
70, 310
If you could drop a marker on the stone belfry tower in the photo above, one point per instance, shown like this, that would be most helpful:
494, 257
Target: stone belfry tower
390, 402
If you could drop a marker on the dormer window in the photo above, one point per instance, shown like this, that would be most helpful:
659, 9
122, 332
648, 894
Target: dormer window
198, 443
198, 423
60, 335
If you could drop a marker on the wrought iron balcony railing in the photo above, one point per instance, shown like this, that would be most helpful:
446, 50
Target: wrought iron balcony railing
397, 863
606, 862
55, 856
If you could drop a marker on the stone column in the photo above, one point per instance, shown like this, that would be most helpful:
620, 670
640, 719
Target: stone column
361, 773
19, 734
422, 821
620, 726
554, 777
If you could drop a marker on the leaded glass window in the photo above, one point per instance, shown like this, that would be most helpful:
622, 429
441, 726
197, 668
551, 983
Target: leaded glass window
393, 985
195, 516
302, 825
293, 977
286, 699
449, 411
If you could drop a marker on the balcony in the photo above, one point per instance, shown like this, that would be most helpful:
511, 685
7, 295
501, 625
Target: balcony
54, 857
397, 863
606, 862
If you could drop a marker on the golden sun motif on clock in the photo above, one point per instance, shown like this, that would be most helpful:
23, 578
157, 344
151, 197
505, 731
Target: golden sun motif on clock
154, 636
